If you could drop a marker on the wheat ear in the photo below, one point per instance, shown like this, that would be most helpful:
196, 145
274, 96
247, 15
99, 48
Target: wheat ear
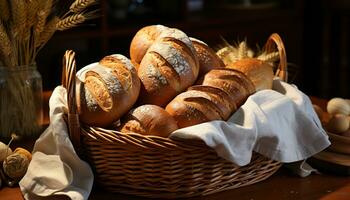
80, 5
73, 20
32, 10
5, 12
40, 22
269, 57
242, 50
5, 45
19, 15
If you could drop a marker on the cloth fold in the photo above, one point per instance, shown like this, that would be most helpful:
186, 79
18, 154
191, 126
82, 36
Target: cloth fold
279, 124
55, 168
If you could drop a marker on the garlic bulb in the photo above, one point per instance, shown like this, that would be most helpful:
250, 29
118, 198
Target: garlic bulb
15, 166
338, 106
4, 151
339, 123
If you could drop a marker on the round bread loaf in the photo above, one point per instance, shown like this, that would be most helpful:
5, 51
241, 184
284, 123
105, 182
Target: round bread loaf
106, 90
169, 67
207, 57
143, 39
149, 120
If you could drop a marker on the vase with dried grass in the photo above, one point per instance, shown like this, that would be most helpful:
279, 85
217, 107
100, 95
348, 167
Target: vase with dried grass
25, 27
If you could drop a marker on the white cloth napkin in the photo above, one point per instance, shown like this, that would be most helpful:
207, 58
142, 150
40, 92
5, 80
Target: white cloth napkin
55, 168
279, 124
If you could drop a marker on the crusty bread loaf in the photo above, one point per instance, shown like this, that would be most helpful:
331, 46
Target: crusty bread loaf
143, 39
207, 57
233, 82
149, 120
222, 92
106, 90
258, 71
168, 68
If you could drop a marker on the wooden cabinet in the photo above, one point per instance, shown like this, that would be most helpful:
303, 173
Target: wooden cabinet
204, 19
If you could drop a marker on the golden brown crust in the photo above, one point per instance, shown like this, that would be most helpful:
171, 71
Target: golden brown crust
219, 97
143, 39
149, 120
259, 72
185, 114
109, 89
207, 57
167, 69
193, 107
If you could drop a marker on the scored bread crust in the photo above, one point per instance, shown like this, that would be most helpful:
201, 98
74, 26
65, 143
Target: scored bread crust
107, 90
143, 39
207, 57
169, 67
221, 93
149, 120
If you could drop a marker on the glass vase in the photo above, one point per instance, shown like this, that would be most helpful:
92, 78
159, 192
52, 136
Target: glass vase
20, 102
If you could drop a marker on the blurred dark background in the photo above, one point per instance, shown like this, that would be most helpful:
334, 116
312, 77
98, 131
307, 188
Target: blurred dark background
315, 33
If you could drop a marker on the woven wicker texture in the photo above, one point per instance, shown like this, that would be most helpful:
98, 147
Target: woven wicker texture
156, 167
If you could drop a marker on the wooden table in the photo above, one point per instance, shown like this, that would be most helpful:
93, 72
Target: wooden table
282, 186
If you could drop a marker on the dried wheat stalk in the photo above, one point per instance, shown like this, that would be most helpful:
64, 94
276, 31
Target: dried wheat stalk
5, 42
19, 17
269, 57
70, 21
32, 10
242, 50
25, 27
230, 54
80, 5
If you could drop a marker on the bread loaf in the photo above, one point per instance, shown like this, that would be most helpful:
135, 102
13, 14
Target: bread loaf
149, 120
106, 90
143, 39
222, 92
233, 82
207, 57
168, 68
260, 72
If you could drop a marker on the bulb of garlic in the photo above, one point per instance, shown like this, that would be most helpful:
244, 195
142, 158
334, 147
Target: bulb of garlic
338, 106
4, 151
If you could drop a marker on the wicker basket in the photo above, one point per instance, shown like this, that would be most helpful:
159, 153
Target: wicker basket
152, 166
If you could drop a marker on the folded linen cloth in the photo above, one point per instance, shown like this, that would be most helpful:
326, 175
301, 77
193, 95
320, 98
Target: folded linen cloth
279, 124
55, 168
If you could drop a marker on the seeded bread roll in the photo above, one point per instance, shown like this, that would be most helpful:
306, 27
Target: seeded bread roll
222, 92
207, 57
106, 90
169, 67
149, 120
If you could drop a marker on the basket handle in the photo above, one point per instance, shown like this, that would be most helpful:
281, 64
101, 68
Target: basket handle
68, 81
270, 46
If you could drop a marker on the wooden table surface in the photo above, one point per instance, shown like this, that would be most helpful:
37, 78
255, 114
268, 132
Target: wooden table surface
282, 186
